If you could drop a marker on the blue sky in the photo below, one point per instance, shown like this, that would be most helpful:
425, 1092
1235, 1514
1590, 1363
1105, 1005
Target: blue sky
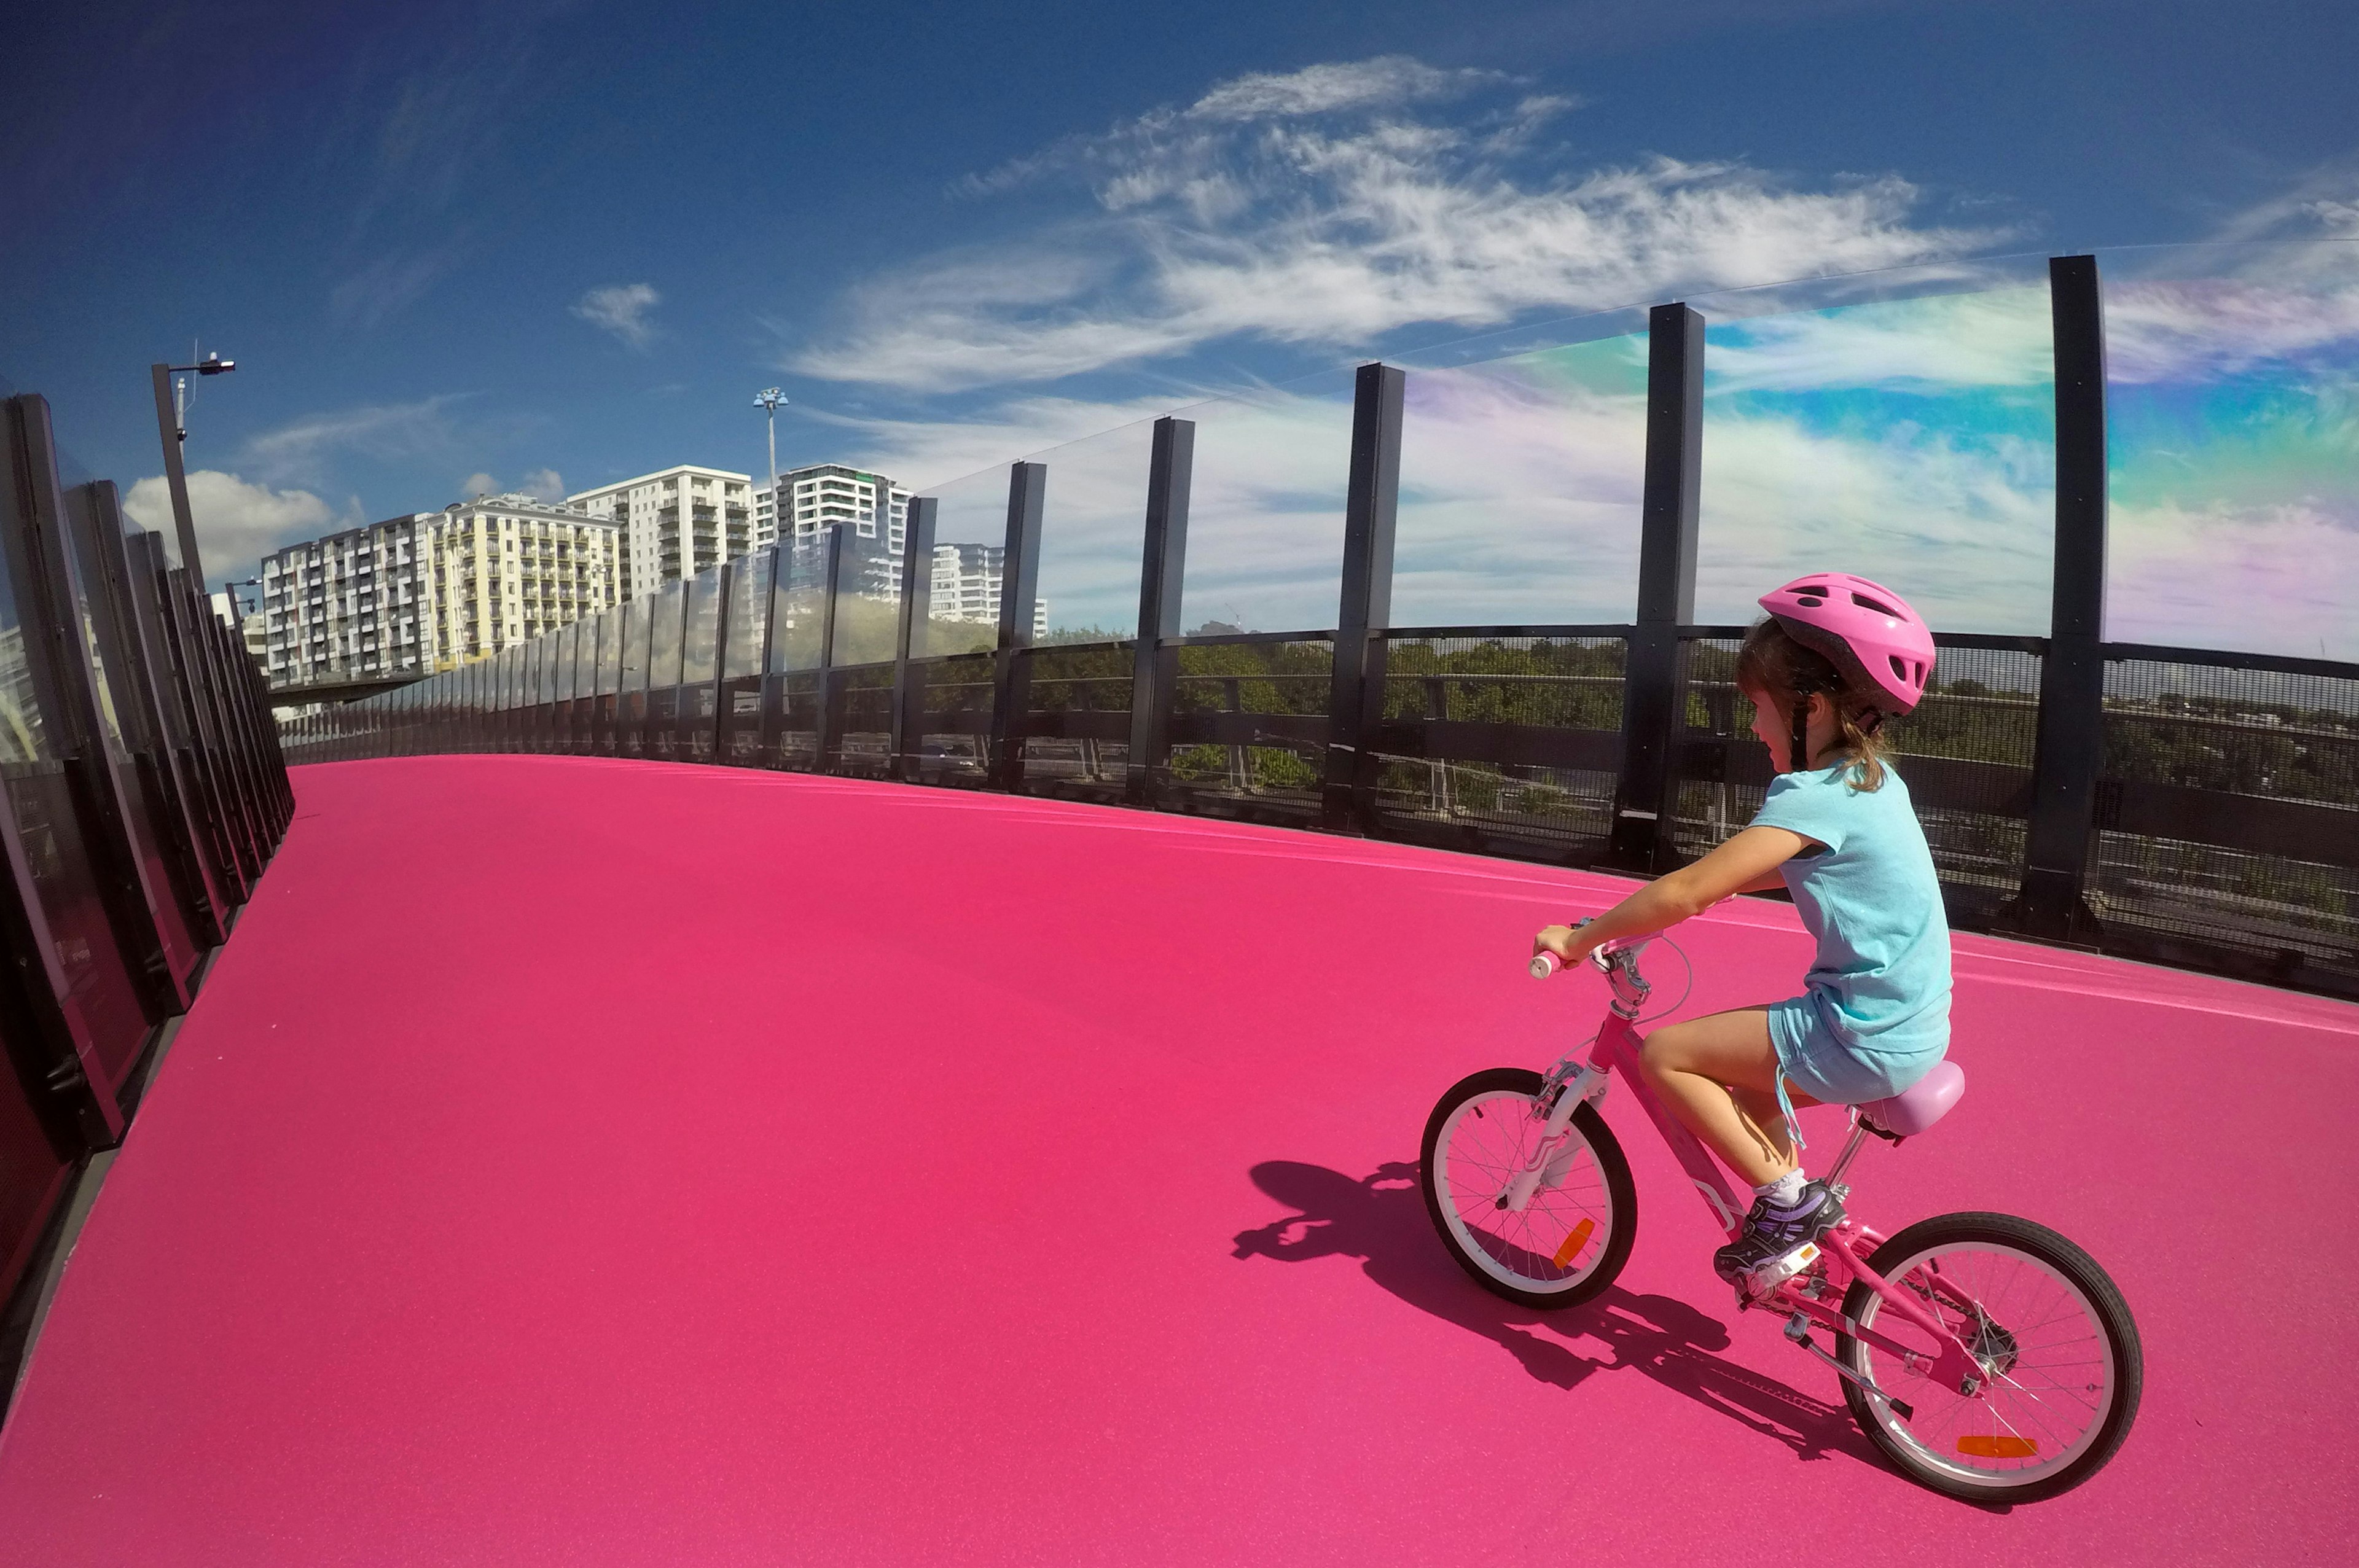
549, 245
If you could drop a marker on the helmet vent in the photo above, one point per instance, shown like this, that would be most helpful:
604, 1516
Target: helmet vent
1899, 669
1866, 603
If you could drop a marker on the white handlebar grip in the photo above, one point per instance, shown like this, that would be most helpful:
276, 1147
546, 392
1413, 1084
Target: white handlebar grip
1545, 964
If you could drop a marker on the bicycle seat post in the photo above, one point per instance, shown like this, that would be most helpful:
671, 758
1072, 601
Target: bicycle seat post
1859, 1130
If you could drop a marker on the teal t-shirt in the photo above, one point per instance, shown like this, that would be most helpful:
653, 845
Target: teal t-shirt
1881, 979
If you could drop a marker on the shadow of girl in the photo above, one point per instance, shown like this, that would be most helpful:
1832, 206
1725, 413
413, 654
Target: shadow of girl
1380, 1219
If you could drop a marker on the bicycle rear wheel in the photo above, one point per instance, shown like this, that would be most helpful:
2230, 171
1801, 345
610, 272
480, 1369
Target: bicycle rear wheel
2051, 1330
1573, 1238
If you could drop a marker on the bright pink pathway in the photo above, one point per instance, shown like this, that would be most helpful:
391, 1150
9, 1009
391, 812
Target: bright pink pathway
598, 1163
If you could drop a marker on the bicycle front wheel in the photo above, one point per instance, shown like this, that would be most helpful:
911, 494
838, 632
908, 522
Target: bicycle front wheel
1570, 1240
2063, 1367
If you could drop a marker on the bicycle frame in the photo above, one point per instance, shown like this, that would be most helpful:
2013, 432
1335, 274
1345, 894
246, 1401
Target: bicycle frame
1810, 1298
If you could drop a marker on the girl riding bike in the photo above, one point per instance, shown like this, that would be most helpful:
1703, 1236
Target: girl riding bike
1837, 654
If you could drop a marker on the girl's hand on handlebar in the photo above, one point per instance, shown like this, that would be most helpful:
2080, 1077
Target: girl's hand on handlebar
1565, 941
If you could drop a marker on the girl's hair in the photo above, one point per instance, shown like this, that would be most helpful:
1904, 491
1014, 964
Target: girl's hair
1773, 663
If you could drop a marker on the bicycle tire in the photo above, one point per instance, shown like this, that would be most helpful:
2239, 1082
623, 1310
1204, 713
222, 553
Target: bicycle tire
1519, 1275
2062, 1261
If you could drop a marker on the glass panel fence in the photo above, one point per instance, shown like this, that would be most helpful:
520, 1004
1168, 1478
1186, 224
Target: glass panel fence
1900, 426
1077, 682
36, 744
2231, 428
961, 627
1266, 518
1520, 485
667, 622
747, 620
699, 663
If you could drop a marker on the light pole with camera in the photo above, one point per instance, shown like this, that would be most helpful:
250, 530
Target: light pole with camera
171, 425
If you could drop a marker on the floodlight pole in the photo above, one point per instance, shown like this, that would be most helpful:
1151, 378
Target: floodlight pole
769, 398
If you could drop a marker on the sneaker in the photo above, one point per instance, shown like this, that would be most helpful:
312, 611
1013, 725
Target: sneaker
1771, 1235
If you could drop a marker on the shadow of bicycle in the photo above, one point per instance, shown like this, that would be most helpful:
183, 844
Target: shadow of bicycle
1380, 1219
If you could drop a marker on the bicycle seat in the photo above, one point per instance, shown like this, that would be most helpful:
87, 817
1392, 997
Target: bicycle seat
1916, 1107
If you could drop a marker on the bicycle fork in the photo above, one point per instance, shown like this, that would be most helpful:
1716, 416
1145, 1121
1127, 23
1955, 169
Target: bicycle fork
1573, 1090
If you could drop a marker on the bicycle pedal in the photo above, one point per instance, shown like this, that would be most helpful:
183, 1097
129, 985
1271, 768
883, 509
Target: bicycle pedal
1765, 1279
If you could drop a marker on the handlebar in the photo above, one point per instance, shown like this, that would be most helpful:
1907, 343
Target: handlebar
1546, 964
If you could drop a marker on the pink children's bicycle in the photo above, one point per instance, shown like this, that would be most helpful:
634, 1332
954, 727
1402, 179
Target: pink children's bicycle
1986, 1357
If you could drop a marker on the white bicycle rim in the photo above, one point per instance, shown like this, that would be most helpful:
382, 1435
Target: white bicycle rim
2055, 1397
1488, 1139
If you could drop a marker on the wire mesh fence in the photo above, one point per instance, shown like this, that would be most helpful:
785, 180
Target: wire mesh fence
1467, 705
2270, 759
1249, 726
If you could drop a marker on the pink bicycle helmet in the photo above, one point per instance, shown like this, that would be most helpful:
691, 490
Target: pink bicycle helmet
1883, 648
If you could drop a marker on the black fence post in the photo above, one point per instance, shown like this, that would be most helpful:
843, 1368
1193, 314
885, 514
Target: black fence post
1356, 699
1648, 792
1170, 467
917, 609
830, 731
1019, 577
2070, 750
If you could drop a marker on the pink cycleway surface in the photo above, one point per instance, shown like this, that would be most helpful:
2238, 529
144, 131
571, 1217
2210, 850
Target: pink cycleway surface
606, 1162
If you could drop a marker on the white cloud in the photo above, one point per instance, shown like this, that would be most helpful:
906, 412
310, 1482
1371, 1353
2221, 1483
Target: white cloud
1998, 337
1387, 81
298, 452
543, 484
621, 309
237, 523
478, 483
1307, 209
391, 283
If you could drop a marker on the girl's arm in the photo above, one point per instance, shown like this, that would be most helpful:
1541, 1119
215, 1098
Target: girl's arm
1748, 862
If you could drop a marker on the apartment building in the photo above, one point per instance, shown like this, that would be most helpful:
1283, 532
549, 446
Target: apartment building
433, 590
674, 523
505, 568
346, 607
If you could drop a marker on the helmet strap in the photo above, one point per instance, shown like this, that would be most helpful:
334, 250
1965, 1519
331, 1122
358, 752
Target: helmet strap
1797, 761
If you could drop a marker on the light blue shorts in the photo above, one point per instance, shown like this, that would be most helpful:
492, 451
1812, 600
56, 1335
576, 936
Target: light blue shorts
1818, 1063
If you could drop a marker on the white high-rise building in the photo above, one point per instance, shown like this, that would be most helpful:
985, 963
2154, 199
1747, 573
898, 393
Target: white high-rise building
873, 510
432, 591
966, 585
674, 522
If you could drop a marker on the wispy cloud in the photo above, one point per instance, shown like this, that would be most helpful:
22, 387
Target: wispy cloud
392, 283
622, 309
541, 484
1316, 209
300, 452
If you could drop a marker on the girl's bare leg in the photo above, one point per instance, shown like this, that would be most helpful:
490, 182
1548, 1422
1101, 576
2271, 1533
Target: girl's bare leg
1719, 1075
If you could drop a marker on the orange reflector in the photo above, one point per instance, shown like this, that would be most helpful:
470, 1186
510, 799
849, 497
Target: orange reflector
1975, 1445
1574, 1242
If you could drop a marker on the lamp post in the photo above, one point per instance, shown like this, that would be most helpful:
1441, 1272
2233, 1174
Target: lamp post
171, 414
772, 399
